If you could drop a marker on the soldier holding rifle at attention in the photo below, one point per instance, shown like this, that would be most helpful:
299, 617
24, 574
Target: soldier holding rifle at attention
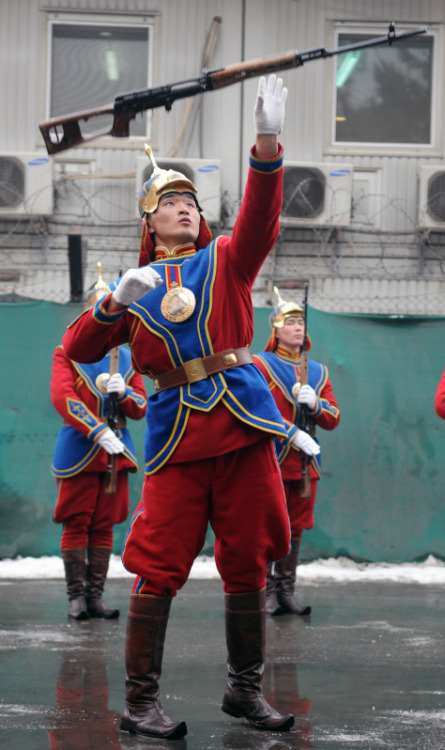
187, 312
299, 456
92, 481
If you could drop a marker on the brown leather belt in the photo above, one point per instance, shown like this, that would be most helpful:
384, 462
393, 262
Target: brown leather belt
202, 367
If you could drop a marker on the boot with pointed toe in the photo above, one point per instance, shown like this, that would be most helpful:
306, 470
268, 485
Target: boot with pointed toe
285, 573
146, 627
75, 571
245, 634
96, 574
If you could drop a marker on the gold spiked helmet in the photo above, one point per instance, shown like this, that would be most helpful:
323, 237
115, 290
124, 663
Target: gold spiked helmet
283, 310
160, 182
277, 318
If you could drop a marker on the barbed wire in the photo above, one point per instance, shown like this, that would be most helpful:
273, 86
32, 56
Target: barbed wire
347, 265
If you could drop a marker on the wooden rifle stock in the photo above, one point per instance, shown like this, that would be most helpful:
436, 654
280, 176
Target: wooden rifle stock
304, 420
62, 133
111, 476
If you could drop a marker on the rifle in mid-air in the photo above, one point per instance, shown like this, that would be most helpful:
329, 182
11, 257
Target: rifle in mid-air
62, 133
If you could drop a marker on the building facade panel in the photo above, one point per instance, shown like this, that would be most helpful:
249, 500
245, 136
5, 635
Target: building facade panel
387, 232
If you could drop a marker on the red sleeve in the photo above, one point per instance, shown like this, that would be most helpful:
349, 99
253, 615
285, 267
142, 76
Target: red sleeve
439, 401
129, 405
327, 420
258, 222
89, 337
64, 390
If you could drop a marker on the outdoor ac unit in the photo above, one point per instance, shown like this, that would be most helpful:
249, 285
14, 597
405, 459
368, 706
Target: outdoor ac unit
431, 197
26, 184
317, 194
204, 173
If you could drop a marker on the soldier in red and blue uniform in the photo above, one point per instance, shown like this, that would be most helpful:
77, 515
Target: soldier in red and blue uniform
209, 454
81, 395
280, 364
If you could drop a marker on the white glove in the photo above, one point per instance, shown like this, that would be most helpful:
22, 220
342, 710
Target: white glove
116, 384
134, 284
268, 114
307, 395
110, 442
305, 443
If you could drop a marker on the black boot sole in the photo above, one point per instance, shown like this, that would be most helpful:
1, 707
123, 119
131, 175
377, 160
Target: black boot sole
114, 614
301, 612
286, 723
179, 731
80, 616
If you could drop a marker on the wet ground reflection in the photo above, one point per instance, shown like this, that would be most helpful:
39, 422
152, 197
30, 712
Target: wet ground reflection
364, 671
83, 720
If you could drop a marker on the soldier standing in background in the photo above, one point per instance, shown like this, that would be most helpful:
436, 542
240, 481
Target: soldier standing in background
281, 365
92, 488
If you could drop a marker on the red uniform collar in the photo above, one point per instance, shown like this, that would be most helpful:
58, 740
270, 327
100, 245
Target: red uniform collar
161, 253
283, 352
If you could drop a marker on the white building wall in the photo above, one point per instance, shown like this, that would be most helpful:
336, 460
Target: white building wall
94, 187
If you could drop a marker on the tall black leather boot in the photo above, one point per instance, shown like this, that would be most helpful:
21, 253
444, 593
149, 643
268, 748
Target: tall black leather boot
272, 605
285, 576
97, 569
75, 573
146, 628
245, 634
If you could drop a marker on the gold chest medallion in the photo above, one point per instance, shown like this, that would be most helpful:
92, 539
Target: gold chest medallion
295, 390
102, 381
178, 304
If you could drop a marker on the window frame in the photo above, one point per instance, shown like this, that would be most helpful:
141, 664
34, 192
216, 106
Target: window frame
106, 18
435, 147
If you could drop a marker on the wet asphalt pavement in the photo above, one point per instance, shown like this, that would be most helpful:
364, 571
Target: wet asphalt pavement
364, 672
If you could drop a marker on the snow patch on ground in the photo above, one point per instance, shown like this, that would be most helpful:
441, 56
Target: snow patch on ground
431, 571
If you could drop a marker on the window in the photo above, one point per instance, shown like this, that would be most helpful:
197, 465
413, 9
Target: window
384, 95
92, 60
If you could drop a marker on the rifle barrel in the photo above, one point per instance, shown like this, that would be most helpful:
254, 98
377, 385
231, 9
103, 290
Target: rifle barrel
62, 133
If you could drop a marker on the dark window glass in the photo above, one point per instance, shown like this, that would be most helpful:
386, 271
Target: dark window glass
91, 64
384, 94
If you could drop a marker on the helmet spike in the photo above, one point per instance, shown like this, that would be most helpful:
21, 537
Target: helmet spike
277, 292
100, 283
149, 152
98, 290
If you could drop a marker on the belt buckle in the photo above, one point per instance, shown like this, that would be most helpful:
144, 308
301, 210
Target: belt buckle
195, 370
230, 359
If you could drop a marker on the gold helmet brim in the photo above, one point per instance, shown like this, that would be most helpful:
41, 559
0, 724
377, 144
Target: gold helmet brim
166, 182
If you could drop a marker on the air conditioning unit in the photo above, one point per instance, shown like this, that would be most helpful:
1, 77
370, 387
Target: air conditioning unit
204, 173
26, 184
317, 194
431, 197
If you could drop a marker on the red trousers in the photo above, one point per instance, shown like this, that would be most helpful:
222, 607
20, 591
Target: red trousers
239, 493
301, 510
87, 512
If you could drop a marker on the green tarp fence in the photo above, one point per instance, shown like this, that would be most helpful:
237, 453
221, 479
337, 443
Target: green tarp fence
381, 493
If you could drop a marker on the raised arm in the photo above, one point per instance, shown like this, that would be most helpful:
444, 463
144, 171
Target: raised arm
257, 224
